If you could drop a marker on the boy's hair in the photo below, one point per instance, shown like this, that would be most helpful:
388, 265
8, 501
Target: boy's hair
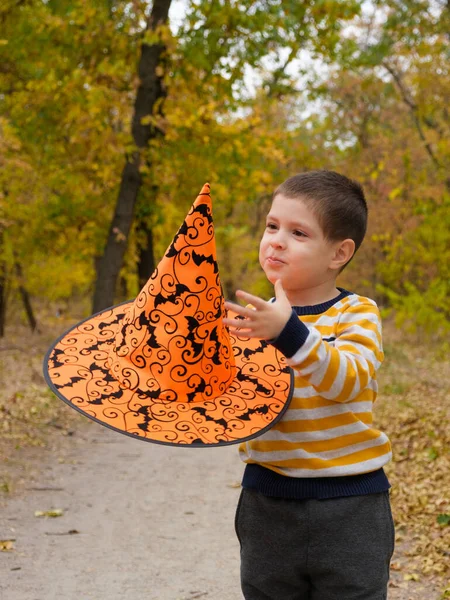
337, 202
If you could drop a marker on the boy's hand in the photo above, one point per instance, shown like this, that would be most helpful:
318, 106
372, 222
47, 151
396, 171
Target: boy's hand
266, 320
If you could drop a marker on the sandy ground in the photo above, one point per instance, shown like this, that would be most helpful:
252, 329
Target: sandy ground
152, 522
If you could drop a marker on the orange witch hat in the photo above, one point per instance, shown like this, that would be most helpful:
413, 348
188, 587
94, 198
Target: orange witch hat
164, 368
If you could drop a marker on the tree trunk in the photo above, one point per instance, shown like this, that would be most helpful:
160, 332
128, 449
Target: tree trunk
2, 300
150, 90
146, 263
3, 284
26, 299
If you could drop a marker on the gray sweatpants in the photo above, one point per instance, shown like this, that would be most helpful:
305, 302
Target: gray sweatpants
334, 549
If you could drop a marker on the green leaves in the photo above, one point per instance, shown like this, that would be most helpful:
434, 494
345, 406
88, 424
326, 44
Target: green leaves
443, 519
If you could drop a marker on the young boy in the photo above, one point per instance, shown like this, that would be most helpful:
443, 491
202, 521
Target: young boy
314, 519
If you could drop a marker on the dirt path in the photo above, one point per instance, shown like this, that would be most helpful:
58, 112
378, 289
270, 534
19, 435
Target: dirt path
153, 523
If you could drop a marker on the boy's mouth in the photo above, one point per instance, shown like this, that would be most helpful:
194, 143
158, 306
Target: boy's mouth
273, 260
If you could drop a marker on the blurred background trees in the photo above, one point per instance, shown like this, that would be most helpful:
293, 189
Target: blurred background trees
253, 91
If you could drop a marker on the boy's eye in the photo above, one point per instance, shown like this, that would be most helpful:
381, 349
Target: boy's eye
299, 233
271, 226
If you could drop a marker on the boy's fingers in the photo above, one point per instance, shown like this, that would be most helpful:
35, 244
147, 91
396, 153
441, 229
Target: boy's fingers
255, 300
279, 287
280, 294
240, 310
242, 333
237, 323
231, 322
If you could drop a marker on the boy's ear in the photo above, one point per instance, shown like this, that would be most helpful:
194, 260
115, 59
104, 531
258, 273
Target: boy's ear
343, 252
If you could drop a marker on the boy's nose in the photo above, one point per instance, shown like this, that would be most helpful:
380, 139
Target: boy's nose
277, 242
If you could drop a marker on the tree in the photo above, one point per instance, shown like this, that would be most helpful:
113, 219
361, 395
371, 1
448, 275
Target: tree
387, 99
150, 95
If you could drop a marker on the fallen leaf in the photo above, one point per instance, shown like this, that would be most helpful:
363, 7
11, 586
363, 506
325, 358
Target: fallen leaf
443, 519
55, 512
411, 577
7, 545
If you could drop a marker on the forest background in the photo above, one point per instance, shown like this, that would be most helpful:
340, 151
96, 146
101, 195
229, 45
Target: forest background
249, 93
113, 114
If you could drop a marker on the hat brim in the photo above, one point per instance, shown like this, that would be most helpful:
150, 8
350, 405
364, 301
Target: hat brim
76, 369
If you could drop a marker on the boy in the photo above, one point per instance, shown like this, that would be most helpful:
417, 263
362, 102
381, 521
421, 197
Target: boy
314, 518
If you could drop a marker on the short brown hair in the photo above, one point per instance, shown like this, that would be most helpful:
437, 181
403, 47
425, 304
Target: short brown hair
337, 202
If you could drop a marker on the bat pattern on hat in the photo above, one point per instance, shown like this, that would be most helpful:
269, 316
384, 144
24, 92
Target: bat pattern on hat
164, 367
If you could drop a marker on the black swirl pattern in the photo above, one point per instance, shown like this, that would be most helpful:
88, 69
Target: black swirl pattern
164, 368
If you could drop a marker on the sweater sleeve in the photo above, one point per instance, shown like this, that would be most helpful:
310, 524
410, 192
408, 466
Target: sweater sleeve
341, 369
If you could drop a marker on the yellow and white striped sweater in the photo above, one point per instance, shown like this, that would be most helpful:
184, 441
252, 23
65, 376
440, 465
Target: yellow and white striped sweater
334, 350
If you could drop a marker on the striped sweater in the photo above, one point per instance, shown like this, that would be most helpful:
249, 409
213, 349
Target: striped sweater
334, 349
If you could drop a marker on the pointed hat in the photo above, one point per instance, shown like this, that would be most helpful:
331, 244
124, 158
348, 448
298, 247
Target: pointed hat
164, 368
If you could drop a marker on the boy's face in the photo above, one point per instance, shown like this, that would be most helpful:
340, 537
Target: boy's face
294, 249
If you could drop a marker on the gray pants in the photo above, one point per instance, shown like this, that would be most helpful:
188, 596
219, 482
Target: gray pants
334, 549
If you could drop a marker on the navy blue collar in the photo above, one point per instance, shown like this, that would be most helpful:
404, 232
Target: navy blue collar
316, 309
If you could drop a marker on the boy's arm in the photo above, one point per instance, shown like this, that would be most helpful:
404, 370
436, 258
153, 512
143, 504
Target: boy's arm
337, 372
341, 371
